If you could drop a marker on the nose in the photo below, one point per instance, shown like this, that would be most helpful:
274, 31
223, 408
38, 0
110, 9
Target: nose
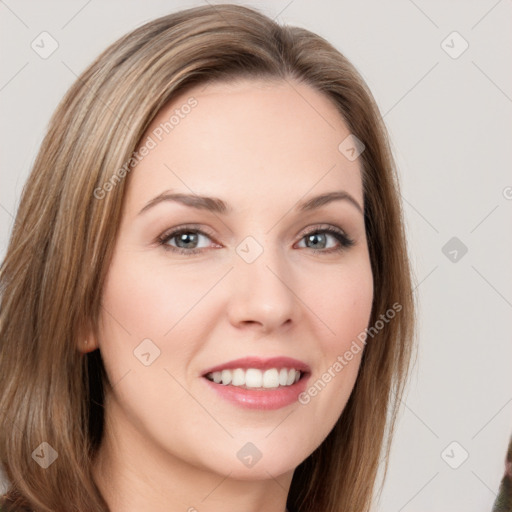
261, 294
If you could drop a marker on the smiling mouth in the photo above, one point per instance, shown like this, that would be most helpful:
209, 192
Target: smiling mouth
256, 379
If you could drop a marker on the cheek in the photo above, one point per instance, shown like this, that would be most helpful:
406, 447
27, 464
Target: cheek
148, 300
343, 302
145, 312
143, 301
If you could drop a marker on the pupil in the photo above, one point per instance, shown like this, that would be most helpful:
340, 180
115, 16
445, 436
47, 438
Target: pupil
314, 238
187, 239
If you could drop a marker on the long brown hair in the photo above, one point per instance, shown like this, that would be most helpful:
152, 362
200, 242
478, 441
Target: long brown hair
63, 238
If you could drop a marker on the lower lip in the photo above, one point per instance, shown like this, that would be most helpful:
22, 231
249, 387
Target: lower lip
263, 399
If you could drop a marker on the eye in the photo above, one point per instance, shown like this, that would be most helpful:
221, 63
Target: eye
318, 240
186, 240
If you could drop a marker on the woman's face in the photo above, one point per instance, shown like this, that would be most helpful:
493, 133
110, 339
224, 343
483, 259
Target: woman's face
254, 276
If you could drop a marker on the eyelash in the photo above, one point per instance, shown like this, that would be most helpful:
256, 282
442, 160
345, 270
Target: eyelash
343, 239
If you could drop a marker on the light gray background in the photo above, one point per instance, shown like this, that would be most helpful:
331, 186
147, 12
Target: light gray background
450, 123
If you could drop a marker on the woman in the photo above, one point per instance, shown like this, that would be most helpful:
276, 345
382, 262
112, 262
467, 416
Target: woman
206, 298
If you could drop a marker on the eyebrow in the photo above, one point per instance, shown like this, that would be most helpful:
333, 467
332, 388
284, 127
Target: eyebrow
216, 205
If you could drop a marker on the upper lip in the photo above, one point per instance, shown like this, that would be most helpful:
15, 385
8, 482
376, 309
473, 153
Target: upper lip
261, 364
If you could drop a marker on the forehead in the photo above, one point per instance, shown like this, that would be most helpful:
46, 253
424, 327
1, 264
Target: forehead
246, 141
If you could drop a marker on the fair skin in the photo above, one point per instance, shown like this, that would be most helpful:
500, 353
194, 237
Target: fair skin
171, 443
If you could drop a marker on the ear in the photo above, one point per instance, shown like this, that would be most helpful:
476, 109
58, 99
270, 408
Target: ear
87, 345
86, 340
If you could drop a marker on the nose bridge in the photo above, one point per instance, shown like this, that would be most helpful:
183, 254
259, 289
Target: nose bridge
261, 290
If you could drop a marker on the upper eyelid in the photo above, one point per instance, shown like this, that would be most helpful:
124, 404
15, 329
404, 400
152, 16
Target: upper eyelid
322, 227
171, 232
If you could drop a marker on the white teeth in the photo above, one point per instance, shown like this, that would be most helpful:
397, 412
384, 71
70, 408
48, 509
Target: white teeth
255, 378
271, 378
226, 376
238, 378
